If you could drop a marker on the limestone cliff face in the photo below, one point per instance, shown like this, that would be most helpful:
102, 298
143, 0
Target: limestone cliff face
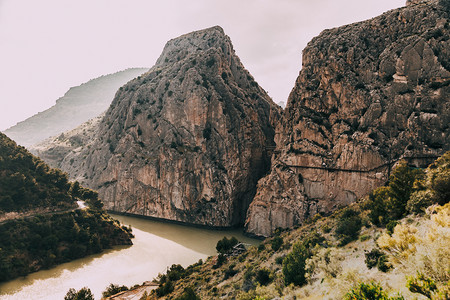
368, 94
186, 141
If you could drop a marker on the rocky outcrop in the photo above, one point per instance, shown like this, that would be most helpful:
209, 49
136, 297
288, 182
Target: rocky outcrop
186, 141
77, 106
368, 94
63, 151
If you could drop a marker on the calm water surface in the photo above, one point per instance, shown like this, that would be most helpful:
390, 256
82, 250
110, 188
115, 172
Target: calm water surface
156, 246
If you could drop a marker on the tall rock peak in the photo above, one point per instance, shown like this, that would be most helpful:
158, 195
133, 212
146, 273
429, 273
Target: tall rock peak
186, 141
369, 94
197, 41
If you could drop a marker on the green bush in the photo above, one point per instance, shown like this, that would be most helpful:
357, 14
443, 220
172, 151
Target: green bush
439, 179
225, 245
419, 200
276, 243
230, 272
221, 259
369, 291
377, 204
263, 276
348, 226
113, 289
401, 187
377, 258
164, 288
390, 226
188, 294
82, 294
294, 264
422, 285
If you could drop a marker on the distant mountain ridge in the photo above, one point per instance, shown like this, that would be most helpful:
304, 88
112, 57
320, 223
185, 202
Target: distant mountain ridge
78, 105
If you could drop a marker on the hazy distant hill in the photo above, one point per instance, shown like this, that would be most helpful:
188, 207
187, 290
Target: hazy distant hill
78, 105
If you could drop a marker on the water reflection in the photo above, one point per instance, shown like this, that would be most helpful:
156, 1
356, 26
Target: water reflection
156, 246
204, 240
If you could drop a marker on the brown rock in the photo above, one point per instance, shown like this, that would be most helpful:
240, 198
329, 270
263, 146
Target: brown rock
186, 141
368, 94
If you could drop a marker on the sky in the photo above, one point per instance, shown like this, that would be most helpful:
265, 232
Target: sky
48, 46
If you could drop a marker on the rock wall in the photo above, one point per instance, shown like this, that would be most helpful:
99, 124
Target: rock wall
368, 94
186, 141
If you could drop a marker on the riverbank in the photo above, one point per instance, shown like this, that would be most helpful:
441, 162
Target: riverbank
157, 245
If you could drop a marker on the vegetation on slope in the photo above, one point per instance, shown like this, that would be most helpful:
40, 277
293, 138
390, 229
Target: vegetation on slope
26, 182
40, 222
356, 253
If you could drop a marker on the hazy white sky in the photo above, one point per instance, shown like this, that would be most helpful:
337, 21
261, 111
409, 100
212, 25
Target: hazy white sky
47, 46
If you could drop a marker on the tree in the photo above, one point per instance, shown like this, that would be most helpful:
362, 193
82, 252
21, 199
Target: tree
294, 264
83, 294
225, 245
348, 226
401, 187
113, 289
188, 294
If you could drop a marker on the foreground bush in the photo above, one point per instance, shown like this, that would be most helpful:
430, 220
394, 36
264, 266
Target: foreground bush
377, 258
188, 294
424, 248
113, 289
348, 226
82, 294
225, 245
369, 291
294, 264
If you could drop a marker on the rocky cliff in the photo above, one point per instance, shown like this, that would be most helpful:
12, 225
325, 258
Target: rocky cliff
186, 141
78, 105
368, 94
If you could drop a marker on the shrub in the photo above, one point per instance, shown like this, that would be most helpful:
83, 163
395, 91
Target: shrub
164, 288
83, 294
390, 226
276, 243
419, 200
261, 247
113, 289
294, 264
348, 226
279, 260
377, 204
369, 291
230, 272
401, 244
401, 187
188, 294
221, 259
263, 276
422, 285
225, 245
377, 258
390, 203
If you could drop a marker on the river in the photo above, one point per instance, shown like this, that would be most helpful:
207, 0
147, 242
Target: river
156, 245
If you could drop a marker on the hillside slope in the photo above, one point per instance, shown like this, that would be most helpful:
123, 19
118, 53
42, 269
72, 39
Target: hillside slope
78, 105
338, 256
368, 94
41, 224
